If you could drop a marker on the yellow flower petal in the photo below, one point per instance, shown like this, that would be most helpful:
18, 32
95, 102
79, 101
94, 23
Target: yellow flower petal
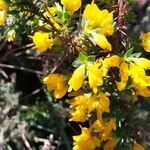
143, 63
143, 91
42, 41
3, 16
138, 75
113, 61
3, 12
104, 102
104, 129
145, 37
51, 11
101, 41
72, 5
77, 78
56, 82
11, 35
91, 18
3, 5
138, 146
85, 141
98, 19
82, 106
124, 75
95, 76
59, 93
110, 145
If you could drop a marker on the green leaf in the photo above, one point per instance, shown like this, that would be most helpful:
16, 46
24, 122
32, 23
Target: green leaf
58, 7
136, 55
128, 53
131, 2
91, 58
83, 57
76, 63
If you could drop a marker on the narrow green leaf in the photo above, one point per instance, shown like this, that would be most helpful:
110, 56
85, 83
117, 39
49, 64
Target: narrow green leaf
128, 53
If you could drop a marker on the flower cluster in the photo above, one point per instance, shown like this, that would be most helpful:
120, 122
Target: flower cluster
98, 132
89, 83
96, 27
42, 41
56, 82
83, 105
99, 75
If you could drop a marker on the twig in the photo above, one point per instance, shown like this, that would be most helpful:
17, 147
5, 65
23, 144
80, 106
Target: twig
4, 73
2, 138
22, 47
32, 93
33, 7
15, 49
46, 143
21, 68
58, 63
26, 142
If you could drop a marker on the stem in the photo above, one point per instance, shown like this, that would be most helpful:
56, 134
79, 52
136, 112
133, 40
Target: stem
36, 11
21, 68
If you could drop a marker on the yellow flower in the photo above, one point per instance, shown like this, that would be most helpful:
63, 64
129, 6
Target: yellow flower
78, 115
77, 78
101, 41
136, 70
51, 11
130, 67
104, 129
101, 19
3, 15
143, 91
145, 37
42, 41
91, 19
110, 145
101, 104
85, 141
113, 61
138, 146
138, 66
106, 24
97, 25
50, 14
11, 35
92, 137
138, 75
124, 76
142, 62
116, 61
108, 62
3, 12
72, 5
95, 76
56, 82
82, 106
3, 5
